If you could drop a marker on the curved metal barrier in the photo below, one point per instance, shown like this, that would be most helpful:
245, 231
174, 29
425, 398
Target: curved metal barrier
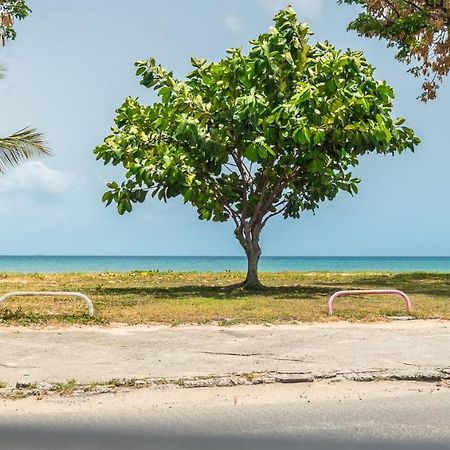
369, 292
83, 297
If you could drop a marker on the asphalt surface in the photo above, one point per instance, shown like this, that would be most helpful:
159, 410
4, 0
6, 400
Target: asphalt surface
90, 354
320, 415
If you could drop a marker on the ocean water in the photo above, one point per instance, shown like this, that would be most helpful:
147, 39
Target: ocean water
61, 264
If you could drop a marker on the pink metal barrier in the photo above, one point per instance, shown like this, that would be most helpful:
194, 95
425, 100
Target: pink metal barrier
369, 292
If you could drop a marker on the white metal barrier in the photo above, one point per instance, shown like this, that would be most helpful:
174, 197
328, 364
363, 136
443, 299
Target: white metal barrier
370, 292
83, 297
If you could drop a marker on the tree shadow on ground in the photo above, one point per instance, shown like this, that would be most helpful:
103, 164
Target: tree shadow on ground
219, 292
435, 285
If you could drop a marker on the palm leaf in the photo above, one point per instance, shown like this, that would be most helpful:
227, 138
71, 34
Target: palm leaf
21, 146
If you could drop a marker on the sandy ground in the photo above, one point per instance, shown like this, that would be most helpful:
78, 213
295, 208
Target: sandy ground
90, 354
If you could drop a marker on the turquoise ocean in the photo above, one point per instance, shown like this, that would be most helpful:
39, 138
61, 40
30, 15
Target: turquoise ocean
61, 264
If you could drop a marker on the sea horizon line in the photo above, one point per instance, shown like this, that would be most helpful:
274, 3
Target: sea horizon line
215, 256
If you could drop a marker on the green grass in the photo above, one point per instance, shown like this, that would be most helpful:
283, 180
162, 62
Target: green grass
67, 387
177, 298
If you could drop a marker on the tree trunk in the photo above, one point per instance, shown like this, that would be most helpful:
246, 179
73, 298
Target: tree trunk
252, 279
249, 239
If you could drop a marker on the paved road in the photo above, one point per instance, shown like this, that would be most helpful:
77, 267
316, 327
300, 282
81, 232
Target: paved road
100, 354
320, 415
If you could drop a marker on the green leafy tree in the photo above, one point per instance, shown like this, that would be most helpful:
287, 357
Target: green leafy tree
11, 10
419, 29
272, 132
27, 142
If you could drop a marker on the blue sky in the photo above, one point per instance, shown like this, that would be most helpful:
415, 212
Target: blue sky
72, 66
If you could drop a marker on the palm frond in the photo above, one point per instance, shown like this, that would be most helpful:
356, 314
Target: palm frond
21, 146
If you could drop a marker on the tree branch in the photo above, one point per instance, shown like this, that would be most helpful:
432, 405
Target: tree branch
276, 213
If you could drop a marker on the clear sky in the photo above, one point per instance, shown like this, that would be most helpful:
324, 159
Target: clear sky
72, 66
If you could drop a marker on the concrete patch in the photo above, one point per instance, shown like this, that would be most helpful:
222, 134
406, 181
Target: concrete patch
416, 350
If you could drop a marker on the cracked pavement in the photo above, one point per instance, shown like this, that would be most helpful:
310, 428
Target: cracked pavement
398, 349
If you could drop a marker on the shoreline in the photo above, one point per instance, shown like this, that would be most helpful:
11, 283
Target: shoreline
218, 264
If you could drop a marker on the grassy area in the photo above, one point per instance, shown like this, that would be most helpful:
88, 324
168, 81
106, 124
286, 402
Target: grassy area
176, 298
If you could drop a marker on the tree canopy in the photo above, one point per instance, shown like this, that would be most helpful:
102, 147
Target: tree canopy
418, 28
9, 11
272, 132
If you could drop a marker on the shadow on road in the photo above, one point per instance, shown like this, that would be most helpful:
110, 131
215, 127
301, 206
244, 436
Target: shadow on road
46, 438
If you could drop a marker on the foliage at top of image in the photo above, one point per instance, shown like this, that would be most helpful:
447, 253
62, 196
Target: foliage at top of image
9, 11
272, 132
28, 142
418, 28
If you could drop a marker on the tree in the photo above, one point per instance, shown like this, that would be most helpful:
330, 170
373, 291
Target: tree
9, 11
272, 132
27, 142
418, 28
